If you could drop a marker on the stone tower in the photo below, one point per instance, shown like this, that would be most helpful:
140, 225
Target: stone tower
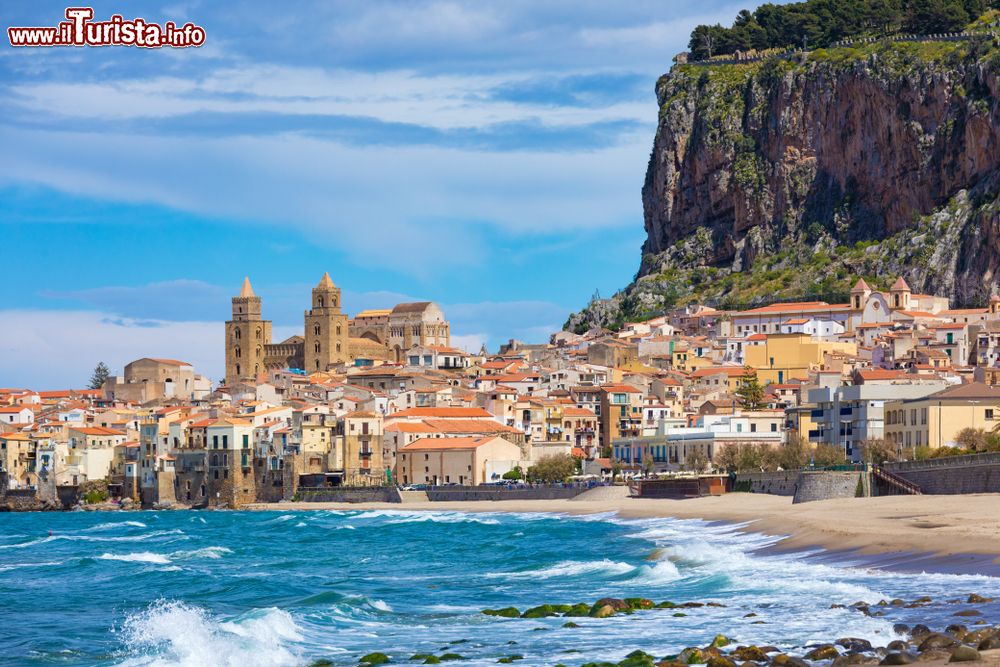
326, 328
246, 336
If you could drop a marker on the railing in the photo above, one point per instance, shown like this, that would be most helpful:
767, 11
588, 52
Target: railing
990, 458
792, 52
897, 482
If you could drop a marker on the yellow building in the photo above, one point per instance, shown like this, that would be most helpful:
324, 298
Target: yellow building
936, 420
17, 459
782, 357
362, 449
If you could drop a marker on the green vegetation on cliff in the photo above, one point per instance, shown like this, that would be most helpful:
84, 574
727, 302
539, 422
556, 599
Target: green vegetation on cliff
820, 23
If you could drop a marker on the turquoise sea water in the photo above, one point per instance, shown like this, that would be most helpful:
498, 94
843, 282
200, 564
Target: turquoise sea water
286, 588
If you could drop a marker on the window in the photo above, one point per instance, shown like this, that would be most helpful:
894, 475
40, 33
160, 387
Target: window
215, 442
989, 413
316, 329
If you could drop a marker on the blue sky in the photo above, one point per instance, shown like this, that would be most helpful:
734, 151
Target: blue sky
488, 156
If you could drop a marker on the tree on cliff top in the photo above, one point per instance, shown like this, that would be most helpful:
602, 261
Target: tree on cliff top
819, 23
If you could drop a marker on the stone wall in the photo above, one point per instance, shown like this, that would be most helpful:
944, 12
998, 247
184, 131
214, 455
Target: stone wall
467, 493
977, 473
826, 484
348, 494
782, 483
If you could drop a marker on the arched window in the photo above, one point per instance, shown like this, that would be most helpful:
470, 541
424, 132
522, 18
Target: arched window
338, 347
338, 329
333, 302
256, 369
260, 352
258, 333
236, 334
317, 347
215, 459
319, 301
316, 329
236, 352
237, 369
317, 364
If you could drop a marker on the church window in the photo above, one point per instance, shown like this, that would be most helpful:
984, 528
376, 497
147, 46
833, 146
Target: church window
338, 329
236, 334
236, 352
333, 302
319, 301
256, 369
317, 347
237, 369
316, 329
317, 364
258, 333
338, 347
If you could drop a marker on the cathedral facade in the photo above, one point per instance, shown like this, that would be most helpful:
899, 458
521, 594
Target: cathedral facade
330, 339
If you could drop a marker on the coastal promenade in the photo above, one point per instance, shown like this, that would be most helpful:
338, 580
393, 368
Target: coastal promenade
945, 526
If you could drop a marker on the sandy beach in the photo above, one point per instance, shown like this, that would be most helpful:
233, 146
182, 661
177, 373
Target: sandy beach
947, 527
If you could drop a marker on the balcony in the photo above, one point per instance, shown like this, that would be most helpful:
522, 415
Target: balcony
365, 454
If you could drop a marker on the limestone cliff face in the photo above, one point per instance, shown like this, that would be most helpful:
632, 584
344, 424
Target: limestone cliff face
789, 177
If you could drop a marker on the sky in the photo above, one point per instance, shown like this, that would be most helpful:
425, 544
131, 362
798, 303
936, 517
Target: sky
488, 156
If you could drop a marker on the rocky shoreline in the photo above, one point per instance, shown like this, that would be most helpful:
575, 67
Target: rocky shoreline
916, 644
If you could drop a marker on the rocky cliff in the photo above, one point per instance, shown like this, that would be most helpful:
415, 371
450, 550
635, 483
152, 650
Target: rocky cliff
789, 177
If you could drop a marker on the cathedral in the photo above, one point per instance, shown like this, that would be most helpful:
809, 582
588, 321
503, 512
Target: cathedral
330, 339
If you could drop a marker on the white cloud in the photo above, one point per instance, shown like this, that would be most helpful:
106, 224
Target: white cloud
58, 349
446, 101
418, 209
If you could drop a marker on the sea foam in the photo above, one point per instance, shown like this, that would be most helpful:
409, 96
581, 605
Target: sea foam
175, 633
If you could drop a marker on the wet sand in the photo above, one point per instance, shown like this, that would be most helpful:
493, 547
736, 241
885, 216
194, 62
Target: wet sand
941, 533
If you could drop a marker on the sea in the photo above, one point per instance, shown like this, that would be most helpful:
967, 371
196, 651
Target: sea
299, 588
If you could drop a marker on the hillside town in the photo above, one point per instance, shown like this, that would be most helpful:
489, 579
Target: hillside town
382, 399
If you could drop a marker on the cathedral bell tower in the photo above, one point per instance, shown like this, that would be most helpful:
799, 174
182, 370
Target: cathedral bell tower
246, 336
325, 328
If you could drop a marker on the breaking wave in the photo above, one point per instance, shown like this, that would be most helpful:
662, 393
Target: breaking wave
175, 633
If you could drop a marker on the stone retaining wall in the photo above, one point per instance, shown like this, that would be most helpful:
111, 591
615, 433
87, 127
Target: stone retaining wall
471, 493
826, 484
782, 483
347, 494
977, 473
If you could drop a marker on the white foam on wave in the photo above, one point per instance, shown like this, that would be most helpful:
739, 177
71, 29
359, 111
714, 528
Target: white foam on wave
94, 538
568, 568
174, 633
403, 516
141, 557
112, 525
17, 566
207, 552
161, 559
381, 605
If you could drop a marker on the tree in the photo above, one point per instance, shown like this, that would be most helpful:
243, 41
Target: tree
553, 468
828, 455
751, 390
793, 455
696, 460
100, 376
648, 465
973, 439
514, 474
878, 451
936, 16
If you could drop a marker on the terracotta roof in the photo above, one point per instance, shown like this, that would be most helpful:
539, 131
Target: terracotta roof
879, 374
619, 388
170, 362
443, 412
900, 284
861, 286
793, 307
425, 444
325, 282
96, 430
